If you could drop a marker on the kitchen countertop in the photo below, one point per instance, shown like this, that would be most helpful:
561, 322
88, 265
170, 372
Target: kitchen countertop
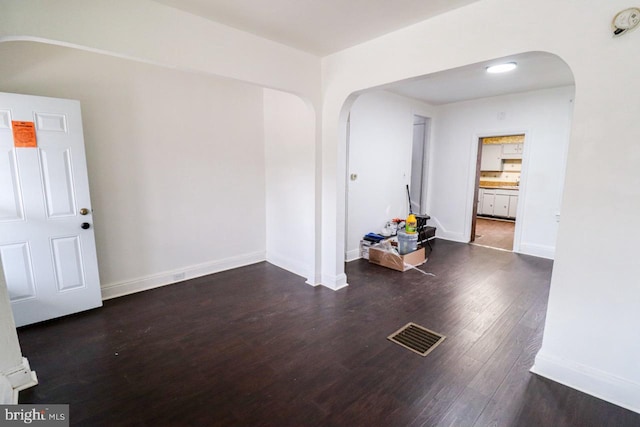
501, 187
499, 184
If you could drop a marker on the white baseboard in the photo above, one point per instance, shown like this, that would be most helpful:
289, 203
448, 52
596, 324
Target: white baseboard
290, 265
586, 379
115, 290
6, 391
334, 282
14, 380
443, 233
542, 251
314, 280
352, 255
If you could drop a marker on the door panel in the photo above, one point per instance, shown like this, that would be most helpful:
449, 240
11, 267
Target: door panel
5, 119
67, 259
11, 208
51, 122
58, 182
50, 262
17, 263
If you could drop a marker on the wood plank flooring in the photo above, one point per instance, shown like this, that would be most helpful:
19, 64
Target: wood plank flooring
255, 346
495, 233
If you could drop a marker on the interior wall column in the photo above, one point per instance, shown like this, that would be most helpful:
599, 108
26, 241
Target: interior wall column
15, 373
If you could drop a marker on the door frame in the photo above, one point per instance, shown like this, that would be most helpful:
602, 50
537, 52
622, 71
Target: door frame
475, 186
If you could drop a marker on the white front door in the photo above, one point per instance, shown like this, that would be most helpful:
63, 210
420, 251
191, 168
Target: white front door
47, 244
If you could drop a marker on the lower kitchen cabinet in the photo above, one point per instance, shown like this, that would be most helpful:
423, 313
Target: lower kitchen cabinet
500, 203
513, 206
488, 200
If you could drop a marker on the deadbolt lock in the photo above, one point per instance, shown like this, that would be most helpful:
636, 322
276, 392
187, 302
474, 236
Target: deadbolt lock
84, 211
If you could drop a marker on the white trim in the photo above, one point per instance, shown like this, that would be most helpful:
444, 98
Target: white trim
472, 189
289, 264
14, 380
443, 233
352, 255
586, 379
334, 282
490, 247
314, 280
115, 290
542, 251
6, 392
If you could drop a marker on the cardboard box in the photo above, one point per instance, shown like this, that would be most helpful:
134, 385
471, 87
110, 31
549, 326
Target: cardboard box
395, 261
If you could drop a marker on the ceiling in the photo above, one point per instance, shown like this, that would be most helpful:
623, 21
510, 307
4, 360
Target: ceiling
536, 70
320, 27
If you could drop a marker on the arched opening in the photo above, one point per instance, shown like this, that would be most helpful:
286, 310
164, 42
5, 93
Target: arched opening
464, 105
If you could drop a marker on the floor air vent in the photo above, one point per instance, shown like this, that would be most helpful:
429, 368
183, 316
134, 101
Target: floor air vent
416, 338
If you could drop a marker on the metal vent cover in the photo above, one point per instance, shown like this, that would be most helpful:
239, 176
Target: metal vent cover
416, 338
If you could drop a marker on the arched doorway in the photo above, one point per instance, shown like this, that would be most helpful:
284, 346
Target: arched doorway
464, 106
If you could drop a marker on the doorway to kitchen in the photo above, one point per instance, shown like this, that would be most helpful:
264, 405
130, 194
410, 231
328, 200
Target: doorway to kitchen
497, 190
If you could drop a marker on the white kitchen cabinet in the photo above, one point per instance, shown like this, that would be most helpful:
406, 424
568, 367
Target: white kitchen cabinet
512, 166
497, 202
491, 157
501, 205
488, 199
512, 151
480, 194
513, 206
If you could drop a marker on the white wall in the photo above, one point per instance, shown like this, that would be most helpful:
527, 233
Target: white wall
380, 146
545, 117
176, 161
594, 289
289, 139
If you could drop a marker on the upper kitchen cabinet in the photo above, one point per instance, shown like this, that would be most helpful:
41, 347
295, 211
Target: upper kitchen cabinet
512, 151
491, 157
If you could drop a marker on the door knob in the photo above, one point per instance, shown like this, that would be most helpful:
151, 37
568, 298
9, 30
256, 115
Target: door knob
85, 225
84, 211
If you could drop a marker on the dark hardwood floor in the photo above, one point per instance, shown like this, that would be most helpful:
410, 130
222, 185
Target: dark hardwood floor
256, 346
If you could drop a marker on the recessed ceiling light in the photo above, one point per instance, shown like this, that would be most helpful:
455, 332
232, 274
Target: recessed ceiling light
502, 68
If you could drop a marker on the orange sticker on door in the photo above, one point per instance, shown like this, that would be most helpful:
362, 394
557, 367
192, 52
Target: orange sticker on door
24, 134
